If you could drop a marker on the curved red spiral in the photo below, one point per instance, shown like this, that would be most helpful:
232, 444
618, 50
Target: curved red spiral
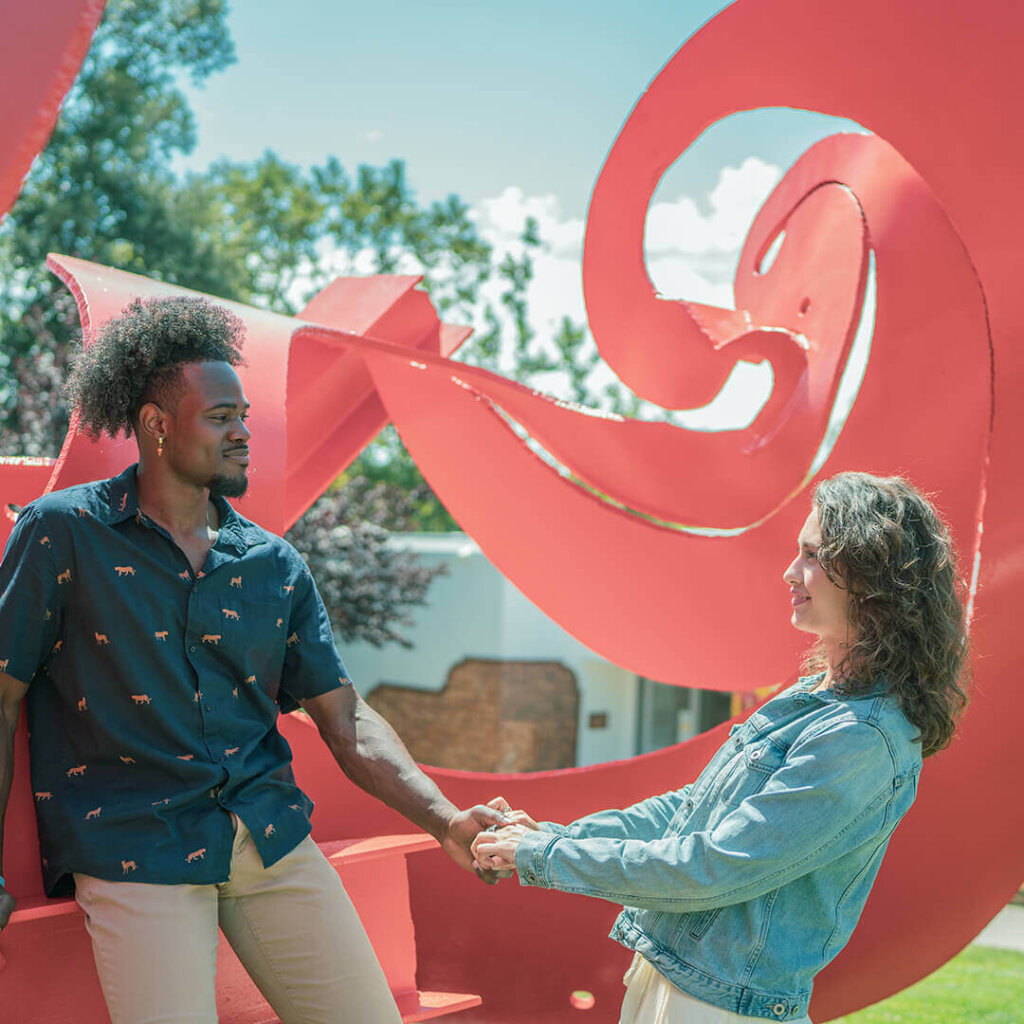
937, 402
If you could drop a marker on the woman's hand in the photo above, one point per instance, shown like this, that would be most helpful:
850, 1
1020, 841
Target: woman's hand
499, 803
502, 839
496, 851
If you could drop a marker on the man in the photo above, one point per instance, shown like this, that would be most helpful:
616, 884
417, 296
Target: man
157, 633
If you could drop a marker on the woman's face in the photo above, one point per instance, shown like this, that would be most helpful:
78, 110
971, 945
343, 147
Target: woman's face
819, 606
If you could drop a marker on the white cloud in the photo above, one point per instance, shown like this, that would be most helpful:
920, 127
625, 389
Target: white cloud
690, 255
679, 226
501, 221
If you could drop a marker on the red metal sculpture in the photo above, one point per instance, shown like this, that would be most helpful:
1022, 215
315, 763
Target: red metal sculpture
599, 533
41, 50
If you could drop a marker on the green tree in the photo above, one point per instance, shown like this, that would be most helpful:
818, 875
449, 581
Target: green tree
367, 583
103, 190
267, 232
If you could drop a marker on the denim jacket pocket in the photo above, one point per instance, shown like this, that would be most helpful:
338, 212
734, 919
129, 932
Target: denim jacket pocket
699, 923
750, 771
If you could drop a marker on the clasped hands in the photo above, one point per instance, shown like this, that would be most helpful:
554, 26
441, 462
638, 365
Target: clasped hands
494, 849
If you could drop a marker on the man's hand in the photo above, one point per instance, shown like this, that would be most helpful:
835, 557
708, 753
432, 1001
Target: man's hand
6, 907
463, 828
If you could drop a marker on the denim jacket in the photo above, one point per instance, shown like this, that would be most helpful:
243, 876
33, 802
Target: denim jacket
740, 887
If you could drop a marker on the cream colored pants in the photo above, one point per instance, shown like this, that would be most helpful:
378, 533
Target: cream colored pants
652, 999
292, 926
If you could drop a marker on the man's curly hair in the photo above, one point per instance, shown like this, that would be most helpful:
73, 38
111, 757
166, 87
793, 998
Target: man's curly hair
884, 543
139, 356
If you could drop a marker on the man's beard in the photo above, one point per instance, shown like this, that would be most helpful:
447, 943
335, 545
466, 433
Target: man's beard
222, 486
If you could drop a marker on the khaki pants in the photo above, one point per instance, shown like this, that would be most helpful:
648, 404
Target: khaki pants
292, 926
652, 999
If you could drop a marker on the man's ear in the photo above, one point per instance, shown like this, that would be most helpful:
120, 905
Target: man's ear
152, 422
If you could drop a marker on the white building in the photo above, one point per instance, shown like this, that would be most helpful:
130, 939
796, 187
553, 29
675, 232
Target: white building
475, 613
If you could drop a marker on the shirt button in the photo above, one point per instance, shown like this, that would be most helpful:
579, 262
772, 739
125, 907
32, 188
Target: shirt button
192, 649
207, 706
195, 590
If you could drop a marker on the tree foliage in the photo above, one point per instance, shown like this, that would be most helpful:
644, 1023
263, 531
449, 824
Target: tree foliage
103, 190
367, 582
265, 232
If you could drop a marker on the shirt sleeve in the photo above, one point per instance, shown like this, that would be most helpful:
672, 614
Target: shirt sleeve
829, 796
647, 819
31, 602
312, 665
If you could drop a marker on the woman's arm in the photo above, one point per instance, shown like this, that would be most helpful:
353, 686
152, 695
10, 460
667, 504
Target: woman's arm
647, 819
829, 796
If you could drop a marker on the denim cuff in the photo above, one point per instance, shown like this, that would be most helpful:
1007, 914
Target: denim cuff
531, 857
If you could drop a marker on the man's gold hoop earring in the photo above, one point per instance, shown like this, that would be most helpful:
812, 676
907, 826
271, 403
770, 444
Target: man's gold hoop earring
160, 445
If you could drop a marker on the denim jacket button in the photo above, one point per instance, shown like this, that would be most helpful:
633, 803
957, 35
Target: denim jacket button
738, 741
779, 1009
755, 755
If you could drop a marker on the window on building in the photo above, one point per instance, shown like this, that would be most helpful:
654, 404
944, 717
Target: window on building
673, 714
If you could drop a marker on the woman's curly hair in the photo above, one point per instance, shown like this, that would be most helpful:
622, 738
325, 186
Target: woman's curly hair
883, 542
139, 356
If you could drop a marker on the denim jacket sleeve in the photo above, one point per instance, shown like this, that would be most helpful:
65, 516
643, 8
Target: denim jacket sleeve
829, 795
647, 819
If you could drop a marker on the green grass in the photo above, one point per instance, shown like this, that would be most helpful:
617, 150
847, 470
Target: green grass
979, 986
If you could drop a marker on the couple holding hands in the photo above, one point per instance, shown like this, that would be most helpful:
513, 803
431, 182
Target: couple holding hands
155, 634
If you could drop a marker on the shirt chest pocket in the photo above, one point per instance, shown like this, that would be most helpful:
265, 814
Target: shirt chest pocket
749, 770
253, 635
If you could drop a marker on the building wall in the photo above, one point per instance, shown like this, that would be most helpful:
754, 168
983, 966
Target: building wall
475, 615
491, 716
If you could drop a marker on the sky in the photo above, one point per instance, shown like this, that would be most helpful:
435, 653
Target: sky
513, 108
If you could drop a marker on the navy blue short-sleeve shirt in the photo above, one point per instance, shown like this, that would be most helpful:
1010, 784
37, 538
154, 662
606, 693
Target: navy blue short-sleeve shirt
153, 693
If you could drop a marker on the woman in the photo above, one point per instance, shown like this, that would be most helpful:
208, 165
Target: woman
738, 888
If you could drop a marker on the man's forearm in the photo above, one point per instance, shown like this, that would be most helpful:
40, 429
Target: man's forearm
373, 756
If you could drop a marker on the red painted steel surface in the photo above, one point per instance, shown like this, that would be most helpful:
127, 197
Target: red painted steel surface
933, 202
42, 46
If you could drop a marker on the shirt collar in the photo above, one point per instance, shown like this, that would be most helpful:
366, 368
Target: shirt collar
124, 499
234, 532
